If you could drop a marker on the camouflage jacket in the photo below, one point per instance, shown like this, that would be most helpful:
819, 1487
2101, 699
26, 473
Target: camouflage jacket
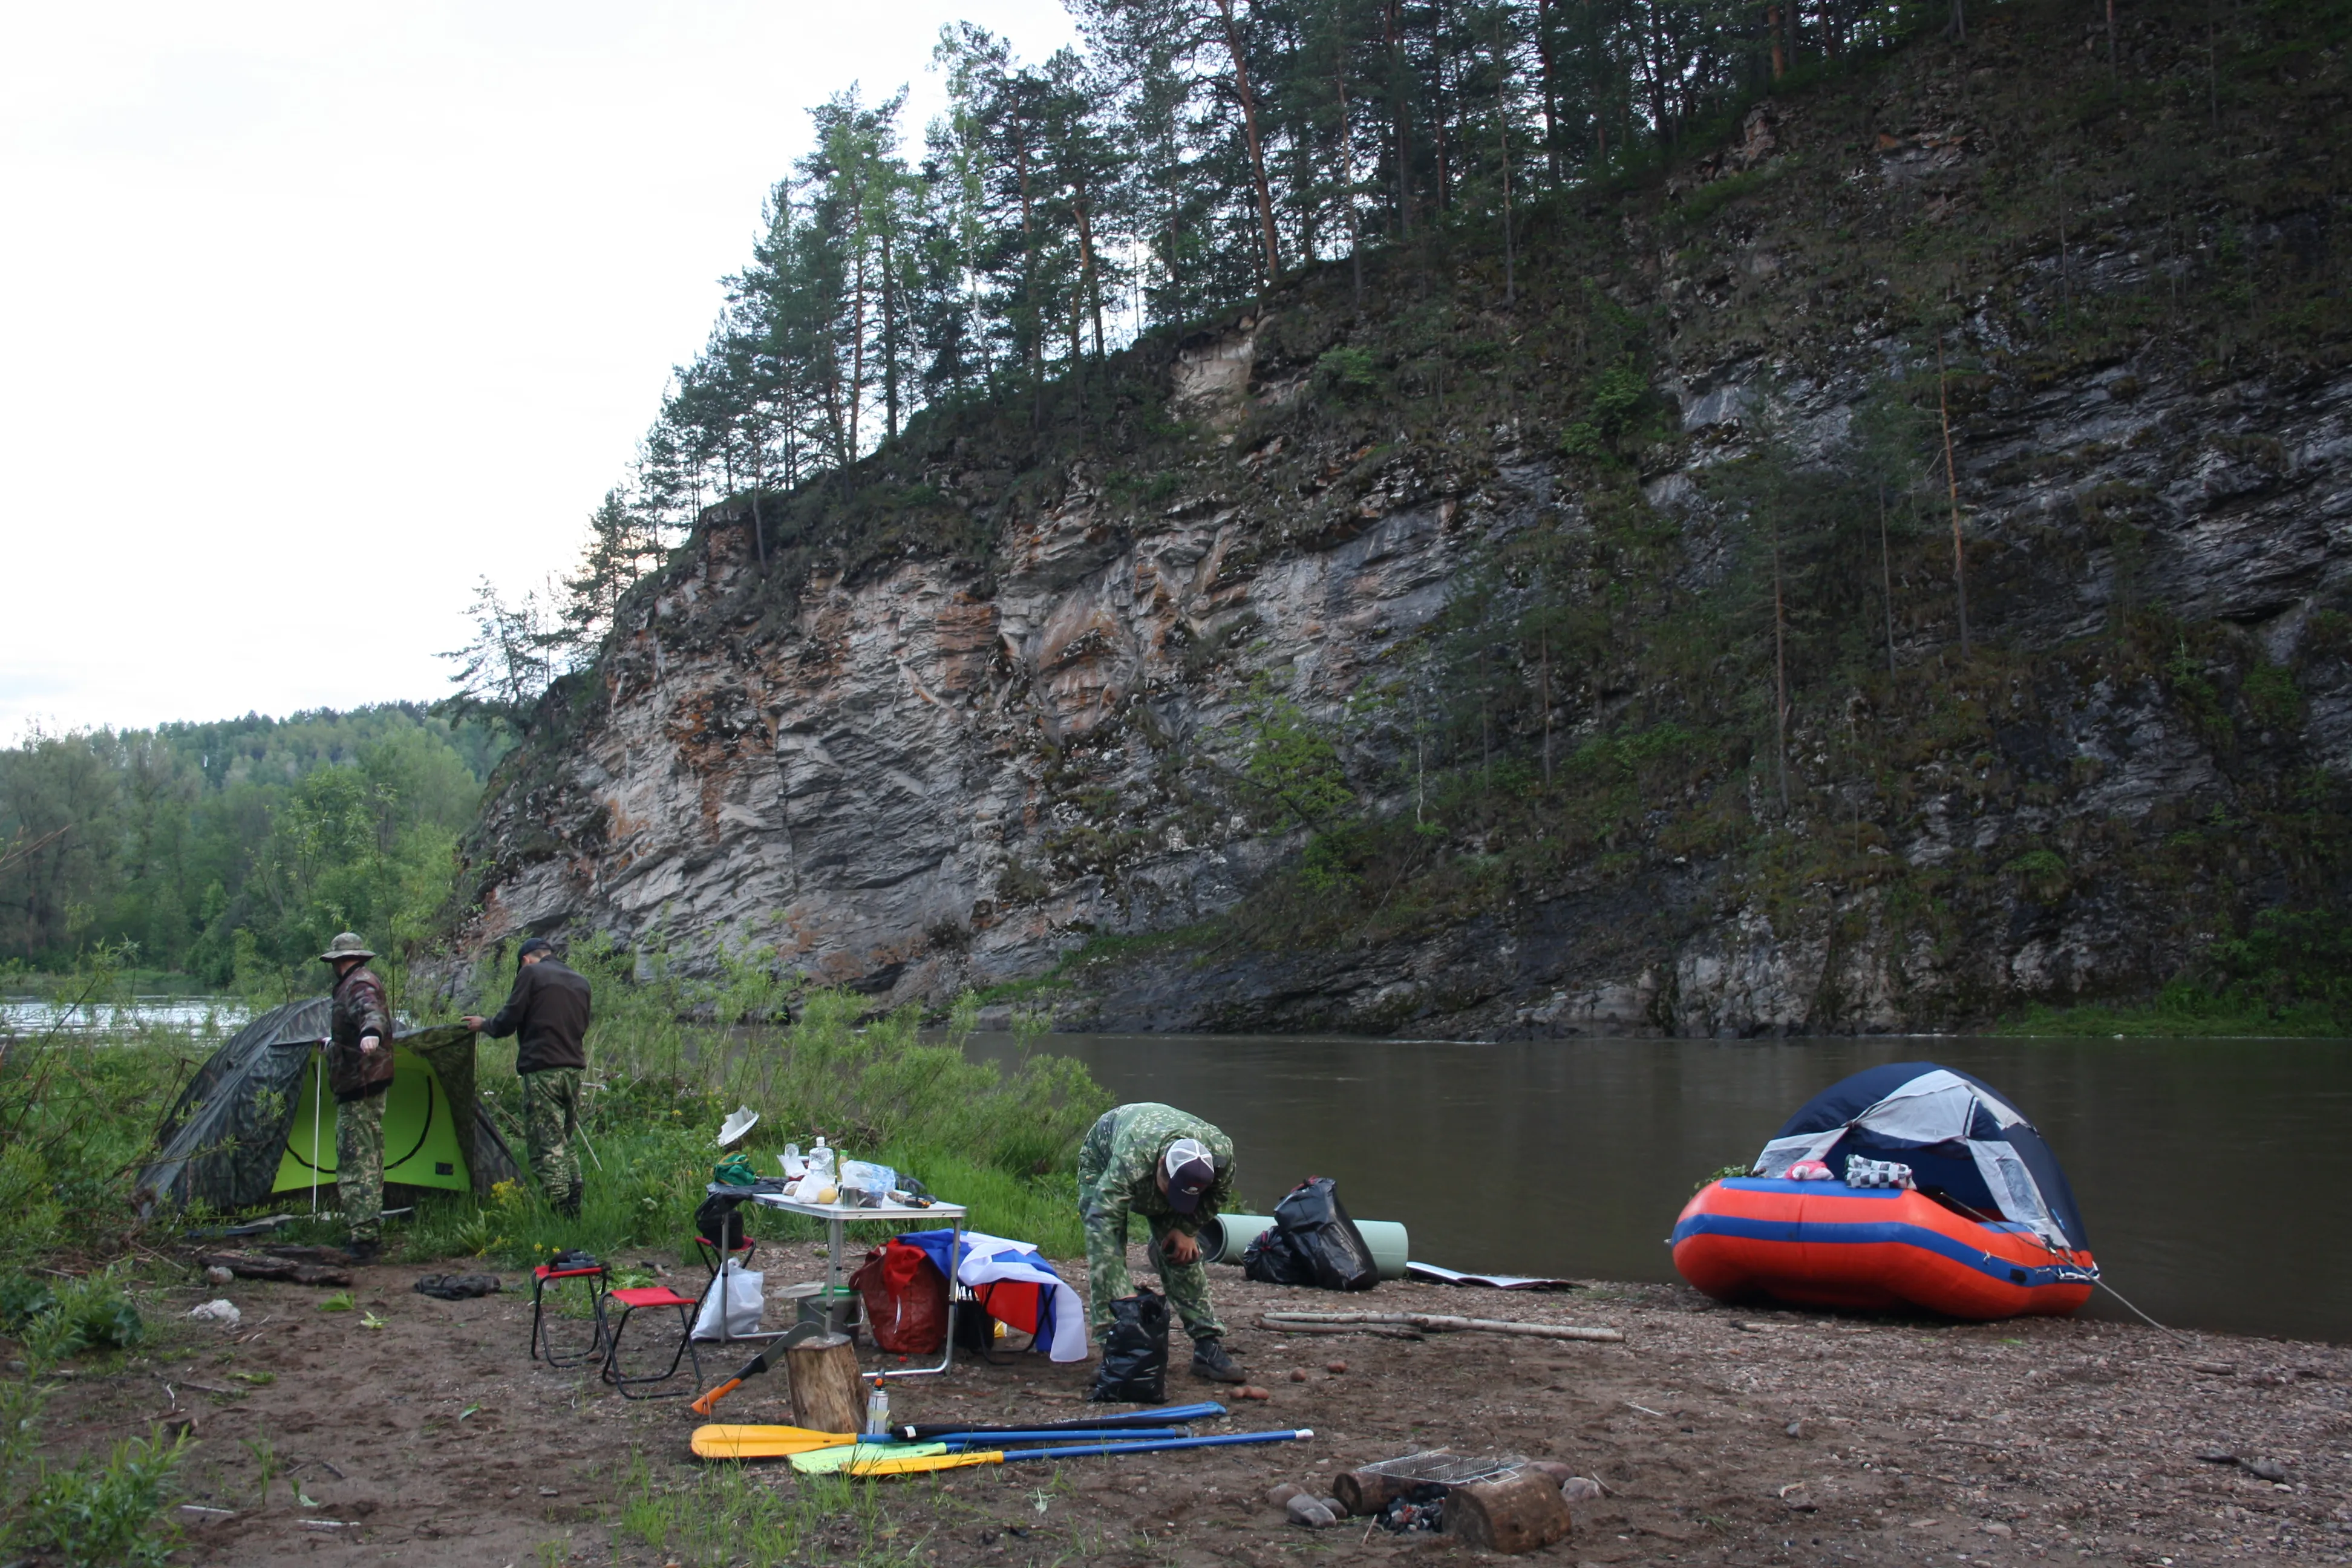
1128, 1181
359, 1010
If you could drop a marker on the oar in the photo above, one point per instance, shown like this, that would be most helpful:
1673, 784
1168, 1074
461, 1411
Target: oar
720, 1442
923, 1465
1052, 1435
1164, 1415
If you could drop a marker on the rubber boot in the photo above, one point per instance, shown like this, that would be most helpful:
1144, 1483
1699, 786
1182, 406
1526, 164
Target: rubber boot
568, 1205
1211, 1361
363, 1250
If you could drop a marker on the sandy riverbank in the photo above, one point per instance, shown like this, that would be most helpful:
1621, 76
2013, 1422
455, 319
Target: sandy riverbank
1724, 1435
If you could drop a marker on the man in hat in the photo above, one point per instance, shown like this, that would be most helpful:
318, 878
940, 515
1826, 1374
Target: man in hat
1177, 1172
359, 1071
549, 1005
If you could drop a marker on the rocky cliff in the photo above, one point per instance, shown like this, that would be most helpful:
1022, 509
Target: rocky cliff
1406, 662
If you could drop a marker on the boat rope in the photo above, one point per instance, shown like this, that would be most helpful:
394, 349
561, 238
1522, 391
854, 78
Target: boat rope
2151, 1322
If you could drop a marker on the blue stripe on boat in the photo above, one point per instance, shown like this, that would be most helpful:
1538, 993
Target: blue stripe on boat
1835, 1232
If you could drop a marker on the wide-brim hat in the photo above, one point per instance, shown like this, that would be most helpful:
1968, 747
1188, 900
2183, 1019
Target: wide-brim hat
740, 1123
347, 944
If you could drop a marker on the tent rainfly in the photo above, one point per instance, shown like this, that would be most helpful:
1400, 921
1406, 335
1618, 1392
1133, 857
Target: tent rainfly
1960, 1138
254, 1120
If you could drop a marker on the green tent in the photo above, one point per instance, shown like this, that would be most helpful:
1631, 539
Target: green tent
254, 1120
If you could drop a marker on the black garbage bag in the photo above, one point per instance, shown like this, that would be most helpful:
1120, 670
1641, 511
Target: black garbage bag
1312, 1241
1134, 1368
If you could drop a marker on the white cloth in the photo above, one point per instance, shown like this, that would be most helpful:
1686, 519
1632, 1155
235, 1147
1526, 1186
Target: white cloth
989, 1259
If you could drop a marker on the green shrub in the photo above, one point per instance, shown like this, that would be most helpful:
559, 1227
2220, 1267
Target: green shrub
104, 1513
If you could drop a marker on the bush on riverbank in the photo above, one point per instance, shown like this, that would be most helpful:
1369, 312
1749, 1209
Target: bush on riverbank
2290, 974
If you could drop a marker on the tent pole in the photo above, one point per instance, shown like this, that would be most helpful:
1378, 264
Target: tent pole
318, 1097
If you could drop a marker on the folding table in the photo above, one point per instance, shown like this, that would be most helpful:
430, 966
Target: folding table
838, 1215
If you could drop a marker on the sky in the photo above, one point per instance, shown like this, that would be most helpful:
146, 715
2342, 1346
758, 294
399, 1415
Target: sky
312, 316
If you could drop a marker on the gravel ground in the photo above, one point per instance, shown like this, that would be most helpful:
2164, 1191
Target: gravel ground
1722, 1435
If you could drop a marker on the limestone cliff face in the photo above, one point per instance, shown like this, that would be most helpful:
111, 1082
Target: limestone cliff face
874, 793
870, 793
947, 770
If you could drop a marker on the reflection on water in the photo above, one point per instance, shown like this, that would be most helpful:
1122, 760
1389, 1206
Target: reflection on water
32, 1016
2215, 1176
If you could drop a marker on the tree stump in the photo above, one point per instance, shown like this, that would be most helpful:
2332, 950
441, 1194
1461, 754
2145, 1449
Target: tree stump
1524, 1513
824, 1376
1366, 1491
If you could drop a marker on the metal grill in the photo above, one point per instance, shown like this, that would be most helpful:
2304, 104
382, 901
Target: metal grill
1444, 1468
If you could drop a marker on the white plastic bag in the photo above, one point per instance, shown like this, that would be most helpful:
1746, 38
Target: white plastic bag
737, 1292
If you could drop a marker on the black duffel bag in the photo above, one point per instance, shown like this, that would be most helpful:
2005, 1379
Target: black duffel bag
1134, 1368
1312, 1241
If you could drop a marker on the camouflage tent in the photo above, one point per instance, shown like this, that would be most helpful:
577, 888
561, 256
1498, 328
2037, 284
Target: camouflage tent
254, 1120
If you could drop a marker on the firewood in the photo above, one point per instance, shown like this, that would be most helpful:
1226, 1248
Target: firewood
1367, 1491
1524, 1513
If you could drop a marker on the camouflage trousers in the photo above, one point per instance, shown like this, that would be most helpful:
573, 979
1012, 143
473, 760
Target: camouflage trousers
550, 1120
1186, 1285
359, 1163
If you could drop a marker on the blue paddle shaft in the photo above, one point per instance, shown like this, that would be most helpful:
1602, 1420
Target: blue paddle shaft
1052, 1435
1219, 1441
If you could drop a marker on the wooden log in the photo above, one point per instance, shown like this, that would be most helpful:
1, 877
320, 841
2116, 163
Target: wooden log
1441, 1323
1525, 1513
824, 1376
1391, 1330
1367, 1491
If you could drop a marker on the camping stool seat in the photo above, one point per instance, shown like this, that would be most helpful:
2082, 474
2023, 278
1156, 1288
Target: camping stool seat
654, 1296
542, 1346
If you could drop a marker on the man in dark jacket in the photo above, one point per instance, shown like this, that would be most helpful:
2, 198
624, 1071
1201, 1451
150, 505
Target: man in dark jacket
550, 1005
359, 1071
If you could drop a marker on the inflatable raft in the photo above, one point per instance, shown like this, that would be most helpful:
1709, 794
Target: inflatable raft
1904, 1185
1824, 1244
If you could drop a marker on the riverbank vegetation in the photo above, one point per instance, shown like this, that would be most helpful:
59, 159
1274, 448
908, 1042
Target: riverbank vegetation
79, 1111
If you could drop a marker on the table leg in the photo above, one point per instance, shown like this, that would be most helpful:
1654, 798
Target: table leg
947, 1355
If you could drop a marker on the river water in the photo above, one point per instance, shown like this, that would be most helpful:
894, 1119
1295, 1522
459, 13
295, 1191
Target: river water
2215, 1176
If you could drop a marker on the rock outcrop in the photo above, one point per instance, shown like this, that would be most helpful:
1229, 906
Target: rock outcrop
939, 770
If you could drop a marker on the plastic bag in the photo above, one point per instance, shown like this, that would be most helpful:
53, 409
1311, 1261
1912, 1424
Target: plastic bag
1312, 1241
738, 1293
1134, 1368
906, 1299
864, 1184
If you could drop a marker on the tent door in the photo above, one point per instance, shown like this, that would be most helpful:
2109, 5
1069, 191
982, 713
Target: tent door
420, 1132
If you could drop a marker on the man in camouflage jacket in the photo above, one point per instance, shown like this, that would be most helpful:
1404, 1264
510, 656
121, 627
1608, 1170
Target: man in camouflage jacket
1177, 1172
359, 1072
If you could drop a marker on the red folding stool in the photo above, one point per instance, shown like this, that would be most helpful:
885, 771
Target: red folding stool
654, 1296
542, 1346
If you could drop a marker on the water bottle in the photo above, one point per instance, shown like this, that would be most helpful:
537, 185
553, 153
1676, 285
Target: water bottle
877, 1409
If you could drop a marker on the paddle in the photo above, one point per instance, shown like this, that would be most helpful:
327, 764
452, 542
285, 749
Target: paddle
718, 1442
911, 1465
1165, 1415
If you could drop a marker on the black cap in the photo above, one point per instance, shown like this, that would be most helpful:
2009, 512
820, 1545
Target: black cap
536, 944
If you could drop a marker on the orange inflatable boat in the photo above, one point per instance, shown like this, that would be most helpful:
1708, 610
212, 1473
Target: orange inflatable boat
1824, 1244
1904, 1186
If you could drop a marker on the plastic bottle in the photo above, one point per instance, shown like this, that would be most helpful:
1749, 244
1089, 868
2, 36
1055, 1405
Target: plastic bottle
877, 1409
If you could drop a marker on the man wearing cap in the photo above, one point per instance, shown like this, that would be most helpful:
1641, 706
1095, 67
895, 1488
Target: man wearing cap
358, 1069
550, 1005
1177, 1172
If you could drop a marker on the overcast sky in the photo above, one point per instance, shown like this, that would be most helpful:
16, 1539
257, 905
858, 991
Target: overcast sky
312, 314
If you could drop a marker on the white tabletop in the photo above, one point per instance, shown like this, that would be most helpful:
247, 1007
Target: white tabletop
943, 1213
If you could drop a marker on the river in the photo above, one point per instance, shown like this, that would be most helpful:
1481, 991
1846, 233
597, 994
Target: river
2215, 1176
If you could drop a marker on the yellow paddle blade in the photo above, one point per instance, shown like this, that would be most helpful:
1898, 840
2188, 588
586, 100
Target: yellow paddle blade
724, 1442
922, 1464
855, 1458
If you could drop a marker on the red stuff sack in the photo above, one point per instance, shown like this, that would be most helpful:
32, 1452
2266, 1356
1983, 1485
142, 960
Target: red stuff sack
906, 1299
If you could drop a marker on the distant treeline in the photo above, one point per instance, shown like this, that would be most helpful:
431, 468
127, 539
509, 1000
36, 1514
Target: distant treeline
232, 851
